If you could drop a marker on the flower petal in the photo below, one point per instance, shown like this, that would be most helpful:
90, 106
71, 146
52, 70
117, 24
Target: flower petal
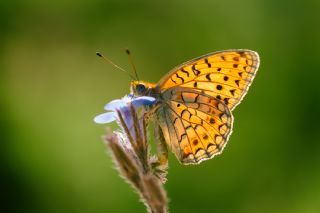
143, 100
105, 118
115, 104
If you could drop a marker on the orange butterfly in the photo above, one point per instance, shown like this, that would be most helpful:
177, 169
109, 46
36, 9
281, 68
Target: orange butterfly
195, 101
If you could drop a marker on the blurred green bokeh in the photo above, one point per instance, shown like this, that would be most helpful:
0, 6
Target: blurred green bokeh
52, 85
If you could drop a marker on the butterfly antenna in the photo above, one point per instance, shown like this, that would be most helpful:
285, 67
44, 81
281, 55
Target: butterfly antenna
132, 64
113, 64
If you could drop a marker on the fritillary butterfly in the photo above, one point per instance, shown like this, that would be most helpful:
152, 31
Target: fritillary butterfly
195, 101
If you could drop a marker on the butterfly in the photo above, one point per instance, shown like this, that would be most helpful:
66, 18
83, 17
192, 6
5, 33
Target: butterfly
194, 102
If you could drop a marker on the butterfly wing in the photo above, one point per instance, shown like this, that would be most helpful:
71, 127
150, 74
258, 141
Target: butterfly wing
224, 75
196, 126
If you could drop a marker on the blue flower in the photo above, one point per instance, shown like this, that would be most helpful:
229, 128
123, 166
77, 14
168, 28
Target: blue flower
123, 106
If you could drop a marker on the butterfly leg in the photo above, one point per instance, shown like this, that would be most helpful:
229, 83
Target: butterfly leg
160, 165
162, 150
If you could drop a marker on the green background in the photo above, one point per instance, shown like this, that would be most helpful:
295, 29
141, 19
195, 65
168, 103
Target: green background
52, 85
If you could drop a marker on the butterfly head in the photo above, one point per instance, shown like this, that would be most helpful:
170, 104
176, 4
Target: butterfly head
141, 88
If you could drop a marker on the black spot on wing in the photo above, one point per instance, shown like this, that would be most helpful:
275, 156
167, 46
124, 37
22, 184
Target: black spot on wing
219, 87
232, 91
205, 137
236, 58
184, 71
173, 80
180, 77
195, 142
195, 84
226, 100
207, 62
242, 54
208, 77
194, 70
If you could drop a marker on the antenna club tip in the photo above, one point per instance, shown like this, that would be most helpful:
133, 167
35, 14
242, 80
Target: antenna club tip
128, 51
98, 54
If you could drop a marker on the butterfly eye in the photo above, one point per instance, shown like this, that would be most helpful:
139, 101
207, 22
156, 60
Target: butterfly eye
140, 88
